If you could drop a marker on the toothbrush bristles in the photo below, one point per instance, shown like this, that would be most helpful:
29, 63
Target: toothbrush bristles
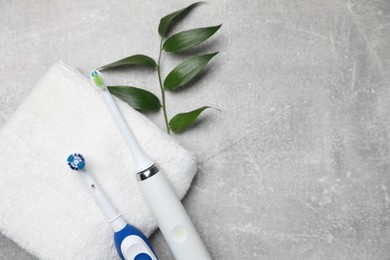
76, 161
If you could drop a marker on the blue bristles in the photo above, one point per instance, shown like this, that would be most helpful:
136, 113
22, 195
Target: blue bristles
76, 161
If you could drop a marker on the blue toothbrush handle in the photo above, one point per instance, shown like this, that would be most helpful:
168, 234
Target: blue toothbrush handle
132, 244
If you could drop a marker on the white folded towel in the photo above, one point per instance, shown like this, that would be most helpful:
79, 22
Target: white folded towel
44, 206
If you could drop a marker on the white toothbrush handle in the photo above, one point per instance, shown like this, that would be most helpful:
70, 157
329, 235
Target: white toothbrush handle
172, 219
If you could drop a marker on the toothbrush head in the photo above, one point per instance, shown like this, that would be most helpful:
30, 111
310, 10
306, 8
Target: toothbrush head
97, 79
76, 161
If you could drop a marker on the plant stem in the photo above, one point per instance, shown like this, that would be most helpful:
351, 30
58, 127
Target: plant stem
162, 87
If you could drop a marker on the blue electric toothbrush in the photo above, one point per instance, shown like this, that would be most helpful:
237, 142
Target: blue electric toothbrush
130, 243
172, 218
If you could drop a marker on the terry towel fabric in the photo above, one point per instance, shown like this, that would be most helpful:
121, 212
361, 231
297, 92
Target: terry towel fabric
44, 206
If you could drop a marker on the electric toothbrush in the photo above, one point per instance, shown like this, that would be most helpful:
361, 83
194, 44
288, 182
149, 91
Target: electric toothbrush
130, 243
172, 219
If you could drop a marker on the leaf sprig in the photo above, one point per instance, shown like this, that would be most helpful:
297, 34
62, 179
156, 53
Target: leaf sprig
179, 77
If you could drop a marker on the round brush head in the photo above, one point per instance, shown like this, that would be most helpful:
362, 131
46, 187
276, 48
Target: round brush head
76, 161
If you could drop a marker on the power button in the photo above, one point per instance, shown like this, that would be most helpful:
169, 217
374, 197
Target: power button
179, 234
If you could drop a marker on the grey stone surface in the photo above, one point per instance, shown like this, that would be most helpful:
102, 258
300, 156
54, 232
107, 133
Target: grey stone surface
296, 166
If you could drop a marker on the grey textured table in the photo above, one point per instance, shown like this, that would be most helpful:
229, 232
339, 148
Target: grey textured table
296, 166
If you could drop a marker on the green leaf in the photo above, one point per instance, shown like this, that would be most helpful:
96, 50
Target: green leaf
138, 59
186, 71
168, 21
183, 120
187, 39
137, 98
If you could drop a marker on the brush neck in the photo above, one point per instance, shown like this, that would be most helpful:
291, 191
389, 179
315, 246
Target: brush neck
113, 217
140, 159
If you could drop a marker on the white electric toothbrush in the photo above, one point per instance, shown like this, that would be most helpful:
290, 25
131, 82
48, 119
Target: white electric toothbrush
172, 219
130, 243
